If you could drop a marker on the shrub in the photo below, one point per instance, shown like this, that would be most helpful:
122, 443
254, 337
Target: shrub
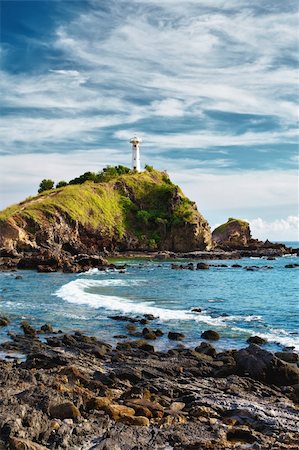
87, 176
148, 168
45, 185
61, 184
143, 216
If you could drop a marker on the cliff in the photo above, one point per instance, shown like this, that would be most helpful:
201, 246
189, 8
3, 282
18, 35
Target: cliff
233, 234
134, 211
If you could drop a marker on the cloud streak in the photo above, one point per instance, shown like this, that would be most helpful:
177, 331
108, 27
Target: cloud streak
209, 86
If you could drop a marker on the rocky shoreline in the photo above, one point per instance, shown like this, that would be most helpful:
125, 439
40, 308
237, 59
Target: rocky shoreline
49, 260
72, 391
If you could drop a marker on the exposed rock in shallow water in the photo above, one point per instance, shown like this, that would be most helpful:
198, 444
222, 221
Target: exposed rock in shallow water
256, 340
211, 335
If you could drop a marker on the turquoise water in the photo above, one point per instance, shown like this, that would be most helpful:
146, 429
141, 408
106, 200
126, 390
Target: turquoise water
235, 302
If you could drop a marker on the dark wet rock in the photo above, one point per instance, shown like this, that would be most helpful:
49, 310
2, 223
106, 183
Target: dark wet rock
264, 366
256, 340
288, 357
28, 329
47, 328
45, 360
189, 266
133, 375
291, 266
206, 348
140, 344
4, 321
202, 266
18, 277
46, 269
174, 336
131, 327
198, 310
148, 334
131, 398
158, 332
256, 268
150, 317
210, 335
129, 319
241, 435
236, 266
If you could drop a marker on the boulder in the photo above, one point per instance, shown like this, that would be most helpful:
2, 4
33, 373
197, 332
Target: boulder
262, 365
24, 444
116, 412
256, 340
210, 335
148, 334
206, 348
46, 328
139, 421
202, 266
63, 411
98, 403
288, 357
4, 321
174, 336
28, 329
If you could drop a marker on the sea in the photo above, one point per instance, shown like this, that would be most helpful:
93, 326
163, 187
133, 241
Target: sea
235, 302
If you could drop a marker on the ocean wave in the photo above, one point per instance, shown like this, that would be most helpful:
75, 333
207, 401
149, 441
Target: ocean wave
77, 292
279, 336
94, 271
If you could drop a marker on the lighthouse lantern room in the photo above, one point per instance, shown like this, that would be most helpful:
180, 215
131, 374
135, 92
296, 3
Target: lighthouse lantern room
136, 141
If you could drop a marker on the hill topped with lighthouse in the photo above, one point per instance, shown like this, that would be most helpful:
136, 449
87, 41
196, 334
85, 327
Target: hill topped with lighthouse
114, 211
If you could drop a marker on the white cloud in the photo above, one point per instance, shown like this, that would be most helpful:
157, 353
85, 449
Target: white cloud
140, 66
281, 229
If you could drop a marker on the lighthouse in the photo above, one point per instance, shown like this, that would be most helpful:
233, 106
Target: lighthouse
135, 141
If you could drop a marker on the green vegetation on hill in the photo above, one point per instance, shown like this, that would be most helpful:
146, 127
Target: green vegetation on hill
144, 205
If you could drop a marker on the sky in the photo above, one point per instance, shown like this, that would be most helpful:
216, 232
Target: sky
211, 87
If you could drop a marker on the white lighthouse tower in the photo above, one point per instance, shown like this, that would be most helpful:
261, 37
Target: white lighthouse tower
136, 141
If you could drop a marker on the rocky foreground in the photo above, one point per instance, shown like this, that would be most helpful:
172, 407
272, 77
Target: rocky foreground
76, 392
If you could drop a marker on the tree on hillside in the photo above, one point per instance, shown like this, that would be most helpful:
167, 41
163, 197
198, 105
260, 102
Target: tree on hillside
61, 184
45, 185
87, 176
110, 172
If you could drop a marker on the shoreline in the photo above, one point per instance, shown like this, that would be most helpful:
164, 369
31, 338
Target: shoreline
46, 260
76, 392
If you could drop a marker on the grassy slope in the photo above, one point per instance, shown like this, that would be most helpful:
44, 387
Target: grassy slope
108, 207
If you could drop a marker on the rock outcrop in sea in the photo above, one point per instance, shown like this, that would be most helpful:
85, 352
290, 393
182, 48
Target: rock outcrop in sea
235, 235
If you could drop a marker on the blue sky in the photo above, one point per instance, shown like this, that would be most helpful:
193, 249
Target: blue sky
211, 87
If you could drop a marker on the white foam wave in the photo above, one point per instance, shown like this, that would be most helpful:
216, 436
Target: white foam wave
249, 318
76, 292
94, 271
281, 337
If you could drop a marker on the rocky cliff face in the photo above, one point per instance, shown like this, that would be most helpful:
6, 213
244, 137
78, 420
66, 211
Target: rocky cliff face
233, 234
140, 211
